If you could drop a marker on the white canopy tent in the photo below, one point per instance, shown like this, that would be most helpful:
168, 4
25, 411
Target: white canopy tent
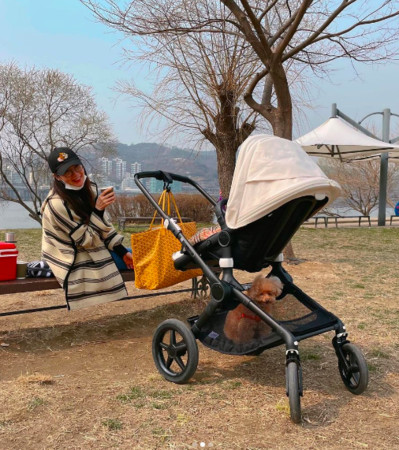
271, 171
338, 139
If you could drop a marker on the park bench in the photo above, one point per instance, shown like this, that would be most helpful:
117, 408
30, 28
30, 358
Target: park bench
326, 219
122, 221
394, 216
198, 288
323, 219
359, 219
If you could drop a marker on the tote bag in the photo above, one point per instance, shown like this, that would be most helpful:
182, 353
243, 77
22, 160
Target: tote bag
153, 249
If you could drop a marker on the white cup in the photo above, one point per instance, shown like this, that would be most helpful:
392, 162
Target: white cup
10, 236
111, 188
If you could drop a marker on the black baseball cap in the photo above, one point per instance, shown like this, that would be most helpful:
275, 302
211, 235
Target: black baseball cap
61, 159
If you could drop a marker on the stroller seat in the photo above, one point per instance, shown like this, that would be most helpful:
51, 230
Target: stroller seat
257, 244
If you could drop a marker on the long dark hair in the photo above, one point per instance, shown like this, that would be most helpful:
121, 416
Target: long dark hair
82, 202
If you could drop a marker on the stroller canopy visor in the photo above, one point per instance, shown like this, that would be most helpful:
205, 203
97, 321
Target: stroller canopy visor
271, 171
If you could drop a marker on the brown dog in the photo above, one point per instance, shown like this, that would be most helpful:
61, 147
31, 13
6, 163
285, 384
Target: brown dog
241, 324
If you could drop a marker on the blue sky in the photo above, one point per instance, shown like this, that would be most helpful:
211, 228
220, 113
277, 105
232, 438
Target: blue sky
63, 34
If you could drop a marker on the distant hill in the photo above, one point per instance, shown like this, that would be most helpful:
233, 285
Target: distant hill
200, 166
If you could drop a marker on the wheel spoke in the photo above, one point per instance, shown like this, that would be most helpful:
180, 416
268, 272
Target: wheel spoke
180, 363
164, 346
353, 369
169, 362
172, 337
181, 348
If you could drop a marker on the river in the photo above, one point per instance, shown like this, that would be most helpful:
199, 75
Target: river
14, 216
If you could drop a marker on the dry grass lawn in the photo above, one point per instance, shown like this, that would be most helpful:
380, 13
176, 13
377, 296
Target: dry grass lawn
86, 379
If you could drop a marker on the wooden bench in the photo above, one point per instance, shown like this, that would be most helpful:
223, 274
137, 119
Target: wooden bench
43, 284
394, 216
122, 221
198, 289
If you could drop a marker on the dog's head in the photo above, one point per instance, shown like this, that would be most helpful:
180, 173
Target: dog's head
265, 290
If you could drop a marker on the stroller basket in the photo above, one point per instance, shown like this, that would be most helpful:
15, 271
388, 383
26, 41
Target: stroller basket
310, 324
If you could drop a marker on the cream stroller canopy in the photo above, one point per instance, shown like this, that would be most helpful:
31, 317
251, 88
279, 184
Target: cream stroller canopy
271, 171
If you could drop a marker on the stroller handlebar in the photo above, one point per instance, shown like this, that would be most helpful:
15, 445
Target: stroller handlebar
168, 179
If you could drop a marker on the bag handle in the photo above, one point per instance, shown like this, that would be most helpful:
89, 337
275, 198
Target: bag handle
165, 200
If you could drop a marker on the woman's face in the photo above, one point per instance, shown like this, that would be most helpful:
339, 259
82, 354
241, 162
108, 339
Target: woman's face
75, 176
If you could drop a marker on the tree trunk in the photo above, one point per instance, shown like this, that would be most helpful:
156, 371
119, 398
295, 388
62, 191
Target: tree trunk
226, 158
281, 121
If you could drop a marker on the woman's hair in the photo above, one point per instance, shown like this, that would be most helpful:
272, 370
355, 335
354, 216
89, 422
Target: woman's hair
82, 202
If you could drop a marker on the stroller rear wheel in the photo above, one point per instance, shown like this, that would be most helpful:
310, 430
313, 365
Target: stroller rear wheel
175, 351
353, 368
293, 380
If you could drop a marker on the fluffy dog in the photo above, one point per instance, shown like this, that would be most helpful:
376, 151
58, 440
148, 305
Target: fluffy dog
241, 324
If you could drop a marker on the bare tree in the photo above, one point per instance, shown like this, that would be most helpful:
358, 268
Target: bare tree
40, 110
360, 182
310, 33
198, 93
287, 36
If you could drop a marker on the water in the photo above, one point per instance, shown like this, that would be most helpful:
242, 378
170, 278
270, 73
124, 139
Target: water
343, 211
14, 216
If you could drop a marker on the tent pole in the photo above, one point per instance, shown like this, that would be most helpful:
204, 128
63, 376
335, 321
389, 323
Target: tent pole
382, 201
386, 118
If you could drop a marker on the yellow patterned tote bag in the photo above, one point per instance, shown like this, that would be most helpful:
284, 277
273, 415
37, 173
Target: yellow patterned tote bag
152, 252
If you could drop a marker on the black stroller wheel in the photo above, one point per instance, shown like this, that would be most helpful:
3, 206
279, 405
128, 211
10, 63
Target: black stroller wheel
294, 391
353, 369
175, 351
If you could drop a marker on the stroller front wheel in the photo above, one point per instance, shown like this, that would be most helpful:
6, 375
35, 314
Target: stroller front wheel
353, 368
293, 379
175, 351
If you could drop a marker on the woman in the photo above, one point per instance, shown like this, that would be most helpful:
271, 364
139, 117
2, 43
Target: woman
78, 237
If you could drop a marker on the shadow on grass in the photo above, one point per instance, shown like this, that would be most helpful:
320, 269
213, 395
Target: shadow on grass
57, 337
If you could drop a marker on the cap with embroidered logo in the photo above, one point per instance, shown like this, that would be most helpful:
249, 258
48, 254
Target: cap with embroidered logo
61, 159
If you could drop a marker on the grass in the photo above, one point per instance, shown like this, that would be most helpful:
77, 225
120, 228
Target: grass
231, 402
349, 244
112, 424
29, 240
133, 394
35, 402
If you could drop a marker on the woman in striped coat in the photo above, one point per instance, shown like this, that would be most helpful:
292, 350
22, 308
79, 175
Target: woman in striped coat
78, 240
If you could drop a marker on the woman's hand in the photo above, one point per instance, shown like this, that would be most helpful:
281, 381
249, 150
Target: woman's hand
128, 260
105, 199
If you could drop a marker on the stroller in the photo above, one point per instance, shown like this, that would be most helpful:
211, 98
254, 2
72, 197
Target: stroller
276, 187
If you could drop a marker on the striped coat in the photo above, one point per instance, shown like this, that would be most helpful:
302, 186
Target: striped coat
78, 256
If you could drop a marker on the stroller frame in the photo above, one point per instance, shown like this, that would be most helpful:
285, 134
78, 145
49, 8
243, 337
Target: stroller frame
174, 346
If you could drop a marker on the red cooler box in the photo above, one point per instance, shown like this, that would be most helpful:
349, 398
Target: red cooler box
8, 261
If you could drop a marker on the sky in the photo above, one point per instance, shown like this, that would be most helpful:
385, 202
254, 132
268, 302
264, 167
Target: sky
62, 34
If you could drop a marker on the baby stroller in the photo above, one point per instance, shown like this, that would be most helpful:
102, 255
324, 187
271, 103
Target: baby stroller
276, 187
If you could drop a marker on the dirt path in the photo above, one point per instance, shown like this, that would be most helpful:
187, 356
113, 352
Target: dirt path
86, 379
